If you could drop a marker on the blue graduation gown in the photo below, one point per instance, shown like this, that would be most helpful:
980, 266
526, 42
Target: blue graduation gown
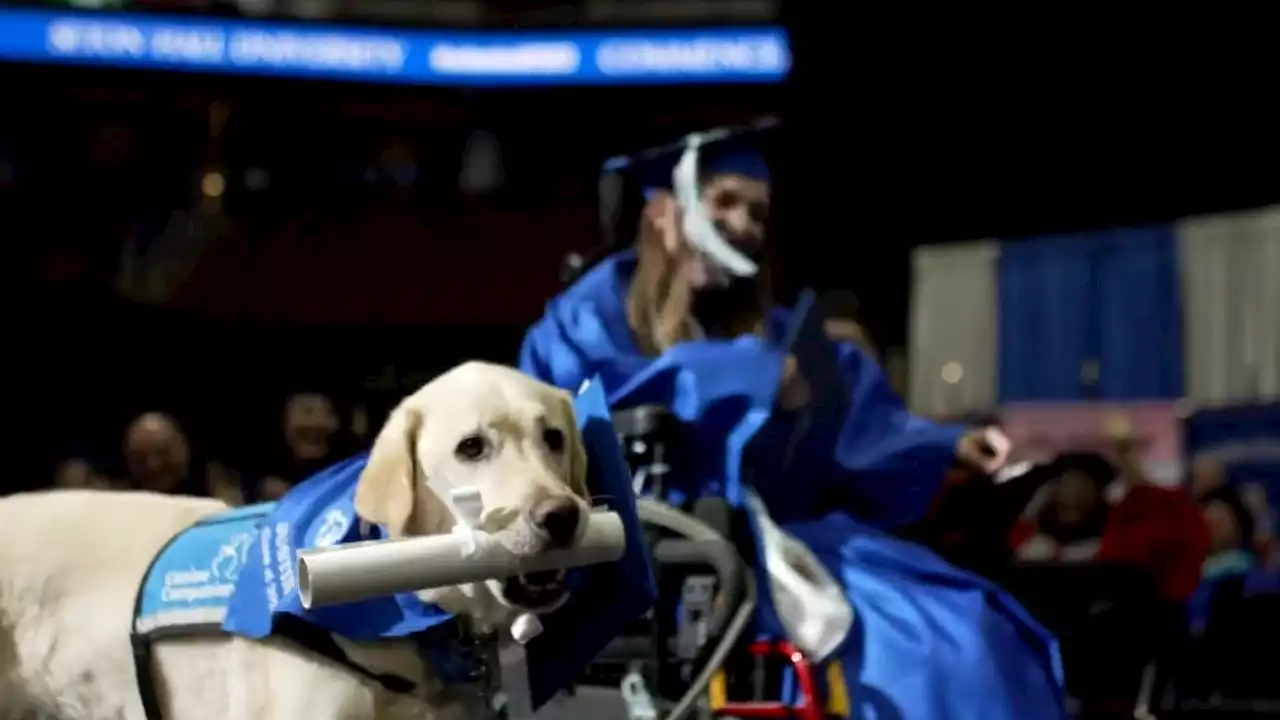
887, 462
930, 641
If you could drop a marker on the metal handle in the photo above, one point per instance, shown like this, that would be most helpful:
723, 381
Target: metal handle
720, 555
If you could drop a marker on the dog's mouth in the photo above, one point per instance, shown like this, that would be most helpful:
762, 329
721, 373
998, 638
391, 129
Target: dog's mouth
538, 591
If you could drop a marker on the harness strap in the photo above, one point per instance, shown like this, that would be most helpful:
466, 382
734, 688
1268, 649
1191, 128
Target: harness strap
142, 664
141, 642
321, 641
289, 627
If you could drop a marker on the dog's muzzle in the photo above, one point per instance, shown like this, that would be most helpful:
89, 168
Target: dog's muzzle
556, 523
558, 520
536, 591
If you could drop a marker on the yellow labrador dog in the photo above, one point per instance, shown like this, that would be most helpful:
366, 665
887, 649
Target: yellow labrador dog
71, 562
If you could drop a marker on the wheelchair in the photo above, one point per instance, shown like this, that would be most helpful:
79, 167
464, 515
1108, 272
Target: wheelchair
693, 655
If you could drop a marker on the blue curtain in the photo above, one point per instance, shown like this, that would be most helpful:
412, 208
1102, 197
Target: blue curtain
1137, 308
1106, 301
1043, 338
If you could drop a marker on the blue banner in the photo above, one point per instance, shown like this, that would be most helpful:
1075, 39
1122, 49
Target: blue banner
426, 57
1245, 438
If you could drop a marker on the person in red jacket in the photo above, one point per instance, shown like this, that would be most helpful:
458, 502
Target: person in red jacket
1159, 529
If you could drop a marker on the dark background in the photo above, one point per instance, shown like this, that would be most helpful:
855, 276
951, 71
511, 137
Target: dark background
859, 183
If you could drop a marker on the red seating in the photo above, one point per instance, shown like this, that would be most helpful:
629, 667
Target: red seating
484, 267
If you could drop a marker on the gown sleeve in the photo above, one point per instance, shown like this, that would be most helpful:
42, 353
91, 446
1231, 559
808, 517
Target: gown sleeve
890, 462
548, 354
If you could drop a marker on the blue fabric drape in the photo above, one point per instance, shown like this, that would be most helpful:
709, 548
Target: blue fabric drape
1043, 339
1137, 308
1108, 301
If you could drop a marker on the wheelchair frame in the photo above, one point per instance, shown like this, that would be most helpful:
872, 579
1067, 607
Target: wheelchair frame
705, 537
700, 543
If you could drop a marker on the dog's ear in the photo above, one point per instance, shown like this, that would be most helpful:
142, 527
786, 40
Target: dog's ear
577, 454
386, 493
578, 465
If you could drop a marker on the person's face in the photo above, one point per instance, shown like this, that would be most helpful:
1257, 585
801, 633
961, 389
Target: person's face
1075, 497
738, 206
156, 458
1207, 475
309, 422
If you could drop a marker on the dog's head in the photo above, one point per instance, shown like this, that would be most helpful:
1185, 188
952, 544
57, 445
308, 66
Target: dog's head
510, 437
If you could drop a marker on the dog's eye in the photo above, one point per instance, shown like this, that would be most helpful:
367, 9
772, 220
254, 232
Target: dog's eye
471, 447
554, 440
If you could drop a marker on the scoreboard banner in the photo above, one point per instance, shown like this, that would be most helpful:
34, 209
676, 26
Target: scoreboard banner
397, 56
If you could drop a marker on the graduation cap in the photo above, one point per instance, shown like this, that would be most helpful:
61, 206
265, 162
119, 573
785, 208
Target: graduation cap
681, 167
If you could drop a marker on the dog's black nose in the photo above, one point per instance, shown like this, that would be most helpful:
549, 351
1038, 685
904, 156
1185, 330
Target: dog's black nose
558, 518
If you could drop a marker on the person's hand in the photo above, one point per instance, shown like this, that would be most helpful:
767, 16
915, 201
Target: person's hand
793, 391
986, 449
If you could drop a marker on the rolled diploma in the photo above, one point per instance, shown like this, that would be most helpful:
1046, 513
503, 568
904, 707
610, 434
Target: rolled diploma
378, 568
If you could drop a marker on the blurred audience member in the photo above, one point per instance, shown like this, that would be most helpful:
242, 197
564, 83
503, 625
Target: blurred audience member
1066, 519
78, 473
157, 456
1254, 497
1210, 486
1156, 529
311, 442
1207, 475
1231, 534
1232, 560
310, 422
1148, 544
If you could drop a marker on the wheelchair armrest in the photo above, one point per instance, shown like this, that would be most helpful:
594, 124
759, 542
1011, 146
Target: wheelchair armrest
700, 544
721, 556
704, 541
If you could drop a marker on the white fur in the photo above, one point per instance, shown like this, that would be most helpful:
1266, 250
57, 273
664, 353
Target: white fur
71, 563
